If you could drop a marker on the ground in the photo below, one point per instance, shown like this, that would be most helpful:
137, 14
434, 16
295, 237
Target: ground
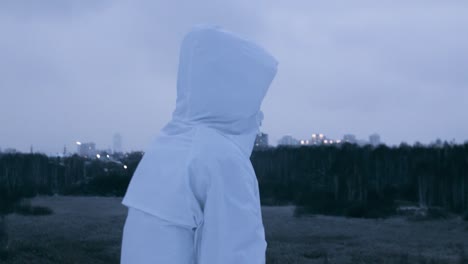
89, 230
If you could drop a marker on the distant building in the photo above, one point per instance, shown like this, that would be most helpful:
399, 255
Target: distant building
261, 140
319, 139
350, 138
86, 149
288, 141
117, 141
374, 139
315, 139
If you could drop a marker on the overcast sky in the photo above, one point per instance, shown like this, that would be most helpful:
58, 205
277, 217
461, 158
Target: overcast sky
85, 69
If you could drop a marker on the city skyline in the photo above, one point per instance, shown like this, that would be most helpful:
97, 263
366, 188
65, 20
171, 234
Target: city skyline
262, 140
81, 71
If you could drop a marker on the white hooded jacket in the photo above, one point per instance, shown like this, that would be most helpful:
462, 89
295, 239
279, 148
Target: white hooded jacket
197, 170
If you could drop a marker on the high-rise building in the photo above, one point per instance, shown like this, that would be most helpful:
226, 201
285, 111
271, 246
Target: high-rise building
117, 141
261, 140
86, 149
288, 141
316, 139
374, 139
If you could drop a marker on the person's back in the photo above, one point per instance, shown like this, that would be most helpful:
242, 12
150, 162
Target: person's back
195, 182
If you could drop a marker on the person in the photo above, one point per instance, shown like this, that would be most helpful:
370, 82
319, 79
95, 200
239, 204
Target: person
194, 196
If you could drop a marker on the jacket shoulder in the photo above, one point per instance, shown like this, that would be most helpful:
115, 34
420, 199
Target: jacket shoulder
212, 145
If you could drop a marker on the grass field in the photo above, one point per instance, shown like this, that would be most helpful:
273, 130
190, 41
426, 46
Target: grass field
89, 230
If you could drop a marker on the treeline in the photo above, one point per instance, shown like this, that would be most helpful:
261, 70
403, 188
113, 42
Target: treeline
354, 180
345, 179
28, 175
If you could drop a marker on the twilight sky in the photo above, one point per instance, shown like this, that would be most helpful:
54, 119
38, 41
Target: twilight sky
84, 69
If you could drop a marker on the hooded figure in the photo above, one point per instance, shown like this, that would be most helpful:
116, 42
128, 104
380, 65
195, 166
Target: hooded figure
194, 196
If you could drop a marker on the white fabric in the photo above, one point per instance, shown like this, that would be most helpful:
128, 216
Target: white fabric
197, 173
146, 237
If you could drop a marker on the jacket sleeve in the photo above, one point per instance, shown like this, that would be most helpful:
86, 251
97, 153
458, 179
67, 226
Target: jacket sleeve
230, 230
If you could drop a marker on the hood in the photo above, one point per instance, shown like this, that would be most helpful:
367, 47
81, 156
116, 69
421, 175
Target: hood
221, 83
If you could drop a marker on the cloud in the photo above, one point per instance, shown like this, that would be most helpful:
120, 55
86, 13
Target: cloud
82, 70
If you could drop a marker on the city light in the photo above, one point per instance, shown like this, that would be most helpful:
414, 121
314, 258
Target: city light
98, 156
108, 156
321, 136
78, 143
325, 141
314, 135
125, 166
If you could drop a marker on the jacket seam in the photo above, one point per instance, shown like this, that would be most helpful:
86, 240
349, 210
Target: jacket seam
187, 174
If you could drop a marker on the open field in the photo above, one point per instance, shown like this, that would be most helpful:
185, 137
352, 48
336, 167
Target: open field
89, 230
